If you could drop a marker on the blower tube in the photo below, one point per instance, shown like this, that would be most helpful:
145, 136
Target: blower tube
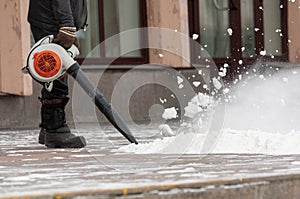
99, 100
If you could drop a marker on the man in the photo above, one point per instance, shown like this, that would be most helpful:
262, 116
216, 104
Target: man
61, 18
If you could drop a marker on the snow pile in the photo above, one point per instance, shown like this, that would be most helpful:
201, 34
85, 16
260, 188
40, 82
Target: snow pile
229, 141
262, 116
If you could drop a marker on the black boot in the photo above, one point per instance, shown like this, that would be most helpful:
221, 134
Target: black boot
42, 136
55, 133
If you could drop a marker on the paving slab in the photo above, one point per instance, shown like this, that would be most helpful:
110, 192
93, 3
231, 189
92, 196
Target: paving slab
29, 170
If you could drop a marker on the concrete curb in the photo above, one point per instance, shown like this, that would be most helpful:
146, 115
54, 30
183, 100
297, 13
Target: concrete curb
200, 188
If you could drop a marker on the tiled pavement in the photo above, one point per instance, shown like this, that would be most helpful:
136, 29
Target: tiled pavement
29, 170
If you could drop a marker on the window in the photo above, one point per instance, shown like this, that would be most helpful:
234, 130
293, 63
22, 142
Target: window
239, 31
108, 18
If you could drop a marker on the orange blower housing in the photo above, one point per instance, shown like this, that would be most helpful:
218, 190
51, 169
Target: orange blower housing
48, 61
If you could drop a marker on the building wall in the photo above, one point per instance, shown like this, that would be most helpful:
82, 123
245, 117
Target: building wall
134, 102
293, 30
171, 15
18, 111
15, 44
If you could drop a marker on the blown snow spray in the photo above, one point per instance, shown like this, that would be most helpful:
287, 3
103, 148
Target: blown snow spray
47, 62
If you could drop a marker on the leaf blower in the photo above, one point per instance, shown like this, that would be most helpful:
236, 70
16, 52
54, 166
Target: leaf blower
48, 61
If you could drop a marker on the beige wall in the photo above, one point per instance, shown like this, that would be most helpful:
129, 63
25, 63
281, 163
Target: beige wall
294, 30
14, 46
172, 15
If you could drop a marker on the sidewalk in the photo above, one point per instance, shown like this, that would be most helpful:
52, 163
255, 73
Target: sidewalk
29, 170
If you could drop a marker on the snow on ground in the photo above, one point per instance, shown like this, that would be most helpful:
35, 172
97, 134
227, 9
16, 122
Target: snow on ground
262, 116
229, 141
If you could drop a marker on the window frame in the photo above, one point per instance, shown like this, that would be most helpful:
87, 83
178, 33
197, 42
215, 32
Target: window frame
144, 59
236, 38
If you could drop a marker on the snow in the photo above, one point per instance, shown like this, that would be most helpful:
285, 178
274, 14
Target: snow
217, 84
223, 72
269, 114
197, 104
196, 83
170, 113
230, 31
262, 117
263, 52
195, 36
226, 90
205, 86
285, 79
229, 141
179, 80
163, 100
165, 130
192, 109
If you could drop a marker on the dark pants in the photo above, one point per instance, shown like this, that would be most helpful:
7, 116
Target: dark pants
60, 87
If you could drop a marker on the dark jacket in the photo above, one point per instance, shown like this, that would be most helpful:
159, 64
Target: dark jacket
50, 15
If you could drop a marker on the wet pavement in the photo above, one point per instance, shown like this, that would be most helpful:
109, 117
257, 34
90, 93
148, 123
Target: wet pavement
29, 170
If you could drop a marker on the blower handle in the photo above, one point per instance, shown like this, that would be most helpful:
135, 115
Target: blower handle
99, 100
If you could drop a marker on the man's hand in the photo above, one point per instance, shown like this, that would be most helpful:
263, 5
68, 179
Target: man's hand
66, 37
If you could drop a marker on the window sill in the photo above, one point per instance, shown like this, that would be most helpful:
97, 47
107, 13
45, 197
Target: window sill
122, 67
3, 94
